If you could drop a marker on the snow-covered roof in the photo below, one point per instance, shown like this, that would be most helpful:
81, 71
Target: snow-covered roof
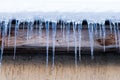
99, 17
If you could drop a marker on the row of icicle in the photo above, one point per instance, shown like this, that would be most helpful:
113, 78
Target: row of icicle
5, 29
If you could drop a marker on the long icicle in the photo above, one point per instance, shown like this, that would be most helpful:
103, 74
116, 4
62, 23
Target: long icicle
31, 29
15, 37
0, 29
100, 31
104, 36
28, 29
90, 28
3, 32
9, 34
115, 33
61, 26
110, 26
23, 26
75, 42
53, 40
96, 30
36, 26
40, 30
79, 37
63, 31
118, 35
68, 35
47, 42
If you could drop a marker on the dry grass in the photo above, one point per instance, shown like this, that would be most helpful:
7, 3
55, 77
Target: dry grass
103, 67
109, 40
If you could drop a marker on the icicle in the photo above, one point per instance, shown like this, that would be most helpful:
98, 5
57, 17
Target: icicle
31, 30
0, 30
23, 26
63, 24
3, 31
75, 42
68, 35
47, 41
61, 27
9, 28
90, 29
15, 37
6, 32
115, 33
118, 35
28, 24
95, 29
53, 40
100, 30
36, 26
111, 27
104, 36
79, 37
40, 30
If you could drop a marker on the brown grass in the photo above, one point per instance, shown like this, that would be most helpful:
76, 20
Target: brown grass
105, 67
109, 40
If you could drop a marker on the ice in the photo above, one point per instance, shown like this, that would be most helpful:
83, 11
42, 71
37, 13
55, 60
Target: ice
63, 31
118, 35
23, 26
100, 31
94, 30
91, 34
61, 26
111, 27
75, 42
79, 38
76, 16
36, 27
27, 31
68, 35
104, 36
31, 29
40, 30
9, 32
15, 37
115, 33
53, 41
47, 41
0, 28
3, 32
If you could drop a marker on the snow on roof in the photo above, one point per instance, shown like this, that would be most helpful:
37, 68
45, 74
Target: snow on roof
66, 16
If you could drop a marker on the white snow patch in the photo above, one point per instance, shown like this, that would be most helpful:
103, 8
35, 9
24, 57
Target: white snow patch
66, 16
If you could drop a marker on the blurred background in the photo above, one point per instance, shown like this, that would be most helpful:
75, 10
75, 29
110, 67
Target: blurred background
60, 5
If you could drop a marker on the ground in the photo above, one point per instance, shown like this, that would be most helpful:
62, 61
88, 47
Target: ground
105, 66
